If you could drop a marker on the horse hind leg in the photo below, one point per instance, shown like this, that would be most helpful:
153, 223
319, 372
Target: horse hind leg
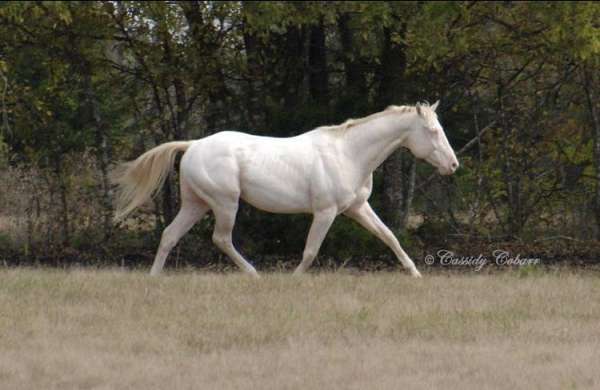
189, 213
222, 236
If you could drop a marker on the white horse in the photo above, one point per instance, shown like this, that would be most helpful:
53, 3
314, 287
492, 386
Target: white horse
326, 172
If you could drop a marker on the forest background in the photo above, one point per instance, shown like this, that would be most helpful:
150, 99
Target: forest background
84, 85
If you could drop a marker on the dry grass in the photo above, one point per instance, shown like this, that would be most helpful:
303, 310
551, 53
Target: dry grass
122, 330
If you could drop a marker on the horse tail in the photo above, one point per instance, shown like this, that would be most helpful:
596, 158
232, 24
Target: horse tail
140, 180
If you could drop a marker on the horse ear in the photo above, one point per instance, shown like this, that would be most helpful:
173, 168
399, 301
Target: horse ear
435, 105
419, 110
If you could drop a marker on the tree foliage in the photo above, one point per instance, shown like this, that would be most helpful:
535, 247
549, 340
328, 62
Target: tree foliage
107, 80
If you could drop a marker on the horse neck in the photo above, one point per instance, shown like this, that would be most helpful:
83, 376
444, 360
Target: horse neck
372, 142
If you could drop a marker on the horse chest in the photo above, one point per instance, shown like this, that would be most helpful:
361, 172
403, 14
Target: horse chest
335, 189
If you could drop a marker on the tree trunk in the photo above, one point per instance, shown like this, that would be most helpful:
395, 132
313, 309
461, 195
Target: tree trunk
399, 170
399, 174
317, 63
255, 82
64, 205
513, 225
354, 101
103, 154
290, 87
391, 72
253, 78
410, 172
589, 85
207, 46
181, 101
392, 190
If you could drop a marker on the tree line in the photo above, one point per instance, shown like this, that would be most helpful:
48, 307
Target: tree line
84, 85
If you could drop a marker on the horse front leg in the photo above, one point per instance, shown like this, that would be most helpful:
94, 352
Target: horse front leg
364, 215
321, 223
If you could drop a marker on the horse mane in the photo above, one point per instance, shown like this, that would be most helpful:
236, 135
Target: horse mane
349, 123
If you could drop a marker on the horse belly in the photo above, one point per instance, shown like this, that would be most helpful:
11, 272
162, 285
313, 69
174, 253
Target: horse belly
275, 183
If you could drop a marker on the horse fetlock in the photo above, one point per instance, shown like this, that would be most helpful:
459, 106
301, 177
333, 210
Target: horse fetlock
155, 271
167, 245
309, 254
415, 273
299, 271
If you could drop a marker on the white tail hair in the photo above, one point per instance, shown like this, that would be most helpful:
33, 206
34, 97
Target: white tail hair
140, 180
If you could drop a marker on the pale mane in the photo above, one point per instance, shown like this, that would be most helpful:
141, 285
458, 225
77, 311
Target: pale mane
349, 123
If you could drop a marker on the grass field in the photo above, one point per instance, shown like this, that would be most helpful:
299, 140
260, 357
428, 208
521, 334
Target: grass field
90, 329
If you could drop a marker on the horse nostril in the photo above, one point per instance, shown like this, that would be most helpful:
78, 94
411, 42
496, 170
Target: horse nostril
454, 165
